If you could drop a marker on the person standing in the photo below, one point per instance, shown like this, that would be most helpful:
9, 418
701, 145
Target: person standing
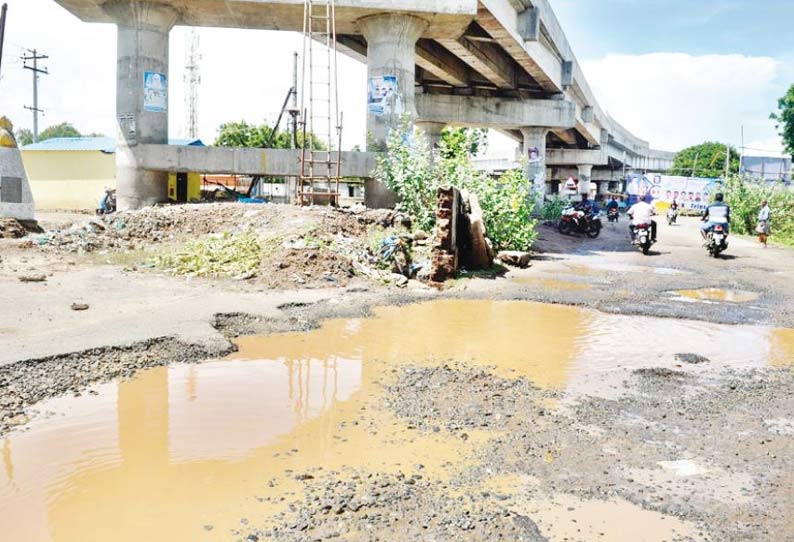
764, 215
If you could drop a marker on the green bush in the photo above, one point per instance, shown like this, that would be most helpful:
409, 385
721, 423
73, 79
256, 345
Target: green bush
745, 195
409, 168
553, 208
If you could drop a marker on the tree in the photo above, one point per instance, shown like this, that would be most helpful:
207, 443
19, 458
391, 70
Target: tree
244, 134
705, 160
24, 137
785, 120
467, 142
63, 129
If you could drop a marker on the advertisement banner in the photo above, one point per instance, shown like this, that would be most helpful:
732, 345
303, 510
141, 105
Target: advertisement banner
693, 193
155, 92
383, 96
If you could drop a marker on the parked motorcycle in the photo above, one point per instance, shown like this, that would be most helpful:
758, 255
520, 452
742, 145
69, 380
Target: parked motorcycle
107, 204
573, 221
613, 215
672, 217
717, 240
643, 238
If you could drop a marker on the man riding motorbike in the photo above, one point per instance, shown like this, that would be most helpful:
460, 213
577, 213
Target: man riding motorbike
585, 209
642, 213
717, 213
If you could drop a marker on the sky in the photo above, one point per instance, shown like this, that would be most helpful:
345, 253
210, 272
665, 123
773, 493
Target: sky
674, 72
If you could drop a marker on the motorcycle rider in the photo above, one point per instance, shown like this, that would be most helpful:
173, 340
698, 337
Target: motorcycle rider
584, 209
642, 213
717, 213
612, 204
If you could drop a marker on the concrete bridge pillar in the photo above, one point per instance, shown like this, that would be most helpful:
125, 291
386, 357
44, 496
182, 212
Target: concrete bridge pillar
585, 175
391, 72
141, 95
535, 156
432, 132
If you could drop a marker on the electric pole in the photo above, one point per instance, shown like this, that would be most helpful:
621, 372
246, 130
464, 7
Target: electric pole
727, 161
192, 79
3, 11
35, 57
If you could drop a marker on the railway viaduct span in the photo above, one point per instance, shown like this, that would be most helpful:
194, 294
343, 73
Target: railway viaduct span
501, 64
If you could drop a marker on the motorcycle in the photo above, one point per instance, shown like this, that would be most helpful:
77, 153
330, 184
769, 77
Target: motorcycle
107, 204
717, 240
643, 237
573, 221
672, 217
613, 215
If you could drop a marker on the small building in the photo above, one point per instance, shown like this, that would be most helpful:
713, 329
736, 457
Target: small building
73, 172
767, 168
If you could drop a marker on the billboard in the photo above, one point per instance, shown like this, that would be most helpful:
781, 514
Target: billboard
689, 192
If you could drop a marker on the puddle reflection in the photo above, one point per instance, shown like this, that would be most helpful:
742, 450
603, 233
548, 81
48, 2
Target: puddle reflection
158, 457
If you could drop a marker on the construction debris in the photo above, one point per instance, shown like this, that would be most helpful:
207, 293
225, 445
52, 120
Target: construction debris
514, 258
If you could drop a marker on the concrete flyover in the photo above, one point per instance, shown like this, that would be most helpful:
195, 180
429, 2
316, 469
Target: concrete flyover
504, 64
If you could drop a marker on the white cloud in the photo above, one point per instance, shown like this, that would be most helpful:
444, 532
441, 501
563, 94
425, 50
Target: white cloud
674, 99
245, 74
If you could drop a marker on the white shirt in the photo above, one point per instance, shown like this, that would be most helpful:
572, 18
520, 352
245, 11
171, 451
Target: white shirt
641, 213
764, 214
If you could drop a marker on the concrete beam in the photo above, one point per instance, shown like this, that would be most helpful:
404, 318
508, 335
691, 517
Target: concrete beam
483, 59
529, 24
565, 135
500, 19
494, 112
576, 157
239, 161
447, 18
441, 63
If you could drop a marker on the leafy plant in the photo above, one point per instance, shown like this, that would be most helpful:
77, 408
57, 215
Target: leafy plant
744, 196
552, 209
705, 160
785, 120
407, 169
411, 170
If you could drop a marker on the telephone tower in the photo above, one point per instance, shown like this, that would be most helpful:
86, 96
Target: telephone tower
192, 82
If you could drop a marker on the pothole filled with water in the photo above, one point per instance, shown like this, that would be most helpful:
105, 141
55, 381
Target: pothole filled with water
194, 452
716, 295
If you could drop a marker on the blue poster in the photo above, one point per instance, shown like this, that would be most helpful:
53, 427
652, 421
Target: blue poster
155, 92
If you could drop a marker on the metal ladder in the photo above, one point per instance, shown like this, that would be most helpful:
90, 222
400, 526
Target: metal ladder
320, 151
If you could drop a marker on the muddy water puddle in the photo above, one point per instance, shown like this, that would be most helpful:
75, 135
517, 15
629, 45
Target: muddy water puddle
716, 295
188, 453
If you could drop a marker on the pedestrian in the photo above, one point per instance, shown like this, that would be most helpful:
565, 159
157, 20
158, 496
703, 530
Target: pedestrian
764, 216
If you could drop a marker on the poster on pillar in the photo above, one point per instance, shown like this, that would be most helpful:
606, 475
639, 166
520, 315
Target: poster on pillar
384, 97
155, 92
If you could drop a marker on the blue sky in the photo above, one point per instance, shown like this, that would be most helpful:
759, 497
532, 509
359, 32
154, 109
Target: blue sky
751, 27
677, 72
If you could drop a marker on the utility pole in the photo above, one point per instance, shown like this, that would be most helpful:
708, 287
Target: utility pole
35, 57
741, 156
3, 11
727, 161
695, 163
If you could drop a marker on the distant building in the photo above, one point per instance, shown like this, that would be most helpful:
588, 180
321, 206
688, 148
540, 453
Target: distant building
72, 172
767, 168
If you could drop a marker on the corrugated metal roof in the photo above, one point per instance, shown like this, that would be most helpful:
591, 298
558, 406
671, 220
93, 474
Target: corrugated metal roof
101, 144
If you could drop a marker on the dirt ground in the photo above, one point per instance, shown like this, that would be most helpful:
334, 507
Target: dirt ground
692, 450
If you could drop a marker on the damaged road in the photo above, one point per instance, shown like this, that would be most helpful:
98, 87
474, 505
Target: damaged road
549, 403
